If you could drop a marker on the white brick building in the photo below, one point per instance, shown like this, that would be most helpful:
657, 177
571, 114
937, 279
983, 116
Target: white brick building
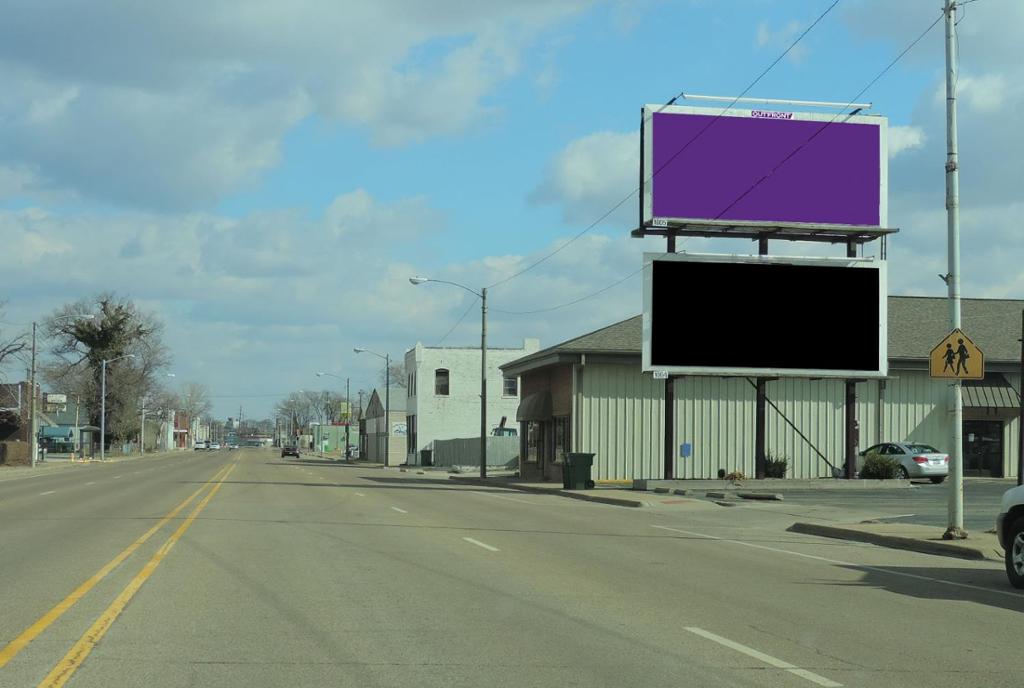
443, 387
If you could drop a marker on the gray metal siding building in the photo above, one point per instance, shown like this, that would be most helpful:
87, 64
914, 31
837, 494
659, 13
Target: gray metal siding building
588, 394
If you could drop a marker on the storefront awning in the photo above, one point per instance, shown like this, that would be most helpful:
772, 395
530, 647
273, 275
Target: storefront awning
534, 407
990, 396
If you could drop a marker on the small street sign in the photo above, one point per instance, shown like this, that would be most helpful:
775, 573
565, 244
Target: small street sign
957, 357
660, 374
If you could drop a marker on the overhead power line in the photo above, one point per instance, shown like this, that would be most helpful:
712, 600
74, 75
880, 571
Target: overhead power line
871, 83
696, 136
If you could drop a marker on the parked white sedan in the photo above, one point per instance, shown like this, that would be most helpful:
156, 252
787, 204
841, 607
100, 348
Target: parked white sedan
916, 460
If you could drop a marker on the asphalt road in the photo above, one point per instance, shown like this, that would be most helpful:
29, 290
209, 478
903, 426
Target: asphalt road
240, 569
924, 503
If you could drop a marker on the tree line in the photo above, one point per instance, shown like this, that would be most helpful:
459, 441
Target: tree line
71, 348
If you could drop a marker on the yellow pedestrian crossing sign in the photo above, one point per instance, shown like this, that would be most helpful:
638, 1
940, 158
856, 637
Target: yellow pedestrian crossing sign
957, 357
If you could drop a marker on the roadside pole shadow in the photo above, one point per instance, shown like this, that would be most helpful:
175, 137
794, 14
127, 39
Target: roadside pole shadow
981, 586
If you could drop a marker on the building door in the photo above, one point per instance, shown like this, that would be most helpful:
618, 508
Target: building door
983, 448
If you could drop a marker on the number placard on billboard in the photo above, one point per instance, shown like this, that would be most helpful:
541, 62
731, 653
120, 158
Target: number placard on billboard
765, 316
737, 166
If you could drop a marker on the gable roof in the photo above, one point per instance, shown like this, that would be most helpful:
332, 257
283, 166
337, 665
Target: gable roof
916, 325
375, 405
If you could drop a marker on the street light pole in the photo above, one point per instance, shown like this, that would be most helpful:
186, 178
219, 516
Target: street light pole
103, 403
955, 509
387, 398
34, 441
348, 408
483, 383
482, 295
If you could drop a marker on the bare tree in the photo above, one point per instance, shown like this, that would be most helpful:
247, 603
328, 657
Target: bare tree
296, 410
10, 345
397, 376
79, 347
194, 400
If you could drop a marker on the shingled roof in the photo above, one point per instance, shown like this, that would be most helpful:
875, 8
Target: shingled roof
916, 325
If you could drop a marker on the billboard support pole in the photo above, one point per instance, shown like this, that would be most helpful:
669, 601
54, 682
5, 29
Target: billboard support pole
851, 404
670, 394
760, 405
955, 525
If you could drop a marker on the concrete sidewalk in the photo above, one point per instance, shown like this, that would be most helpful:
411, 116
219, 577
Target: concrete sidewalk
58, 463
909, 536
770, 485
601, 495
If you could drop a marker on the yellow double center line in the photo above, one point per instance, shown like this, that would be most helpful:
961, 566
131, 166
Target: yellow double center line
46, 620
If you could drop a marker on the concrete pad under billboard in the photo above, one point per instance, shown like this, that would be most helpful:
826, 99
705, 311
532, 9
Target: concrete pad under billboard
707, 165
765, 316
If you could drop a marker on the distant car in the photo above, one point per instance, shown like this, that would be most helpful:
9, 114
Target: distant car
215, 445
232, 446
200, 446
916, 460
290, 451
1010, 533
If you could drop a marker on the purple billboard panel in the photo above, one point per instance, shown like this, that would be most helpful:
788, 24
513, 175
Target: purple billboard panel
702, 165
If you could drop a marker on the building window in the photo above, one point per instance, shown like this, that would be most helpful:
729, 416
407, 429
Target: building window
441, 382
510, 387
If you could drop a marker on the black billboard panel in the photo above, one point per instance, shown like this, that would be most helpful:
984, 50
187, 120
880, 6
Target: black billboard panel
767, 316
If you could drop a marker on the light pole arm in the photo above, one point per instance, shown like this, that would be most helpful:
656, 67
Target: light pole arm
475, 293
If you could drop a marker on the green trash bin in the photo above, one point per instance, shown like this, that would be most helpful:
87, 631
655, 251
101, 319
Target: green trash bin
576, 471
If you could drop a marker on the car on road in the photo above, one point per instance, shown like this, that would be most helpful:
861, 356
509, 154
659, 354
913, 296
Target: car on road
1010, 532
232, 446
214, 445
916, 460
200, 446
290, 450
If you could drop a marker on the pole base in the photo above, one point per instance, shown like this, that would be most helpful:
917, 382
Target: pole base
954, 533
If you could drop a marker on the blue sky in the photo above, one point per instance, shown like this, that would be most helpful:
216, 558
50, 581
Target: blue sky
265, 178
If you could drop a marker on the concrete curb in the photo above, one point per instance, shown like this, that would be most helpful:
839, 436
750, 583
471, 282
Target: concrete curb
940, 548
583, 496
775, 485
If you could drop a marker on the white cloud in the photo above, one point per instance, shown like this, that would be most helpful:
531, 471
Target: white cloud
904, 138
591, 175
991, 149
781, 38
986, 93
161, 106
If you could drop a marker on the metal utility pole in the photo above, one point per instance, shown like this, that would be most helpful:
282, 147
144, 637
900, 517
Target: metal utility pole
103, 403
482, 295
33, 441
955, 527
103, 410
348, 419
483, 383
142, 431
387, 408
